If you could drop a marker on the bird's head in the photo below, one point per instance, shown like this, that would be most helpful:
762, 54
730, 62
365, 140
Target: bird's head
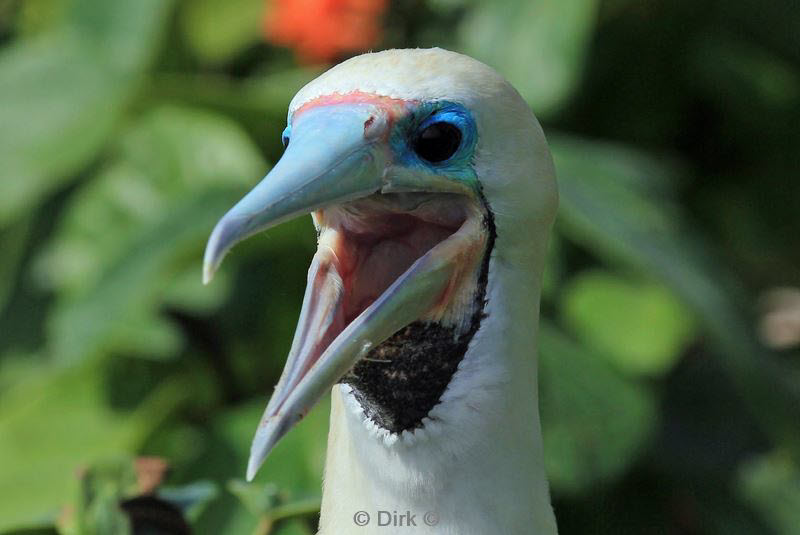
420, 168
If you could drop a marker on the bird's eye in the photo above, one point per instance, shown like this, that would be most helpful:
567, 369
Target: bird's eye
437, 142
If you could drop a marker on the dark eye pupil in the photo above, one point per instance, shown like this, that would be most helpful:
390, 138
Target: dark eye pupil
437, 142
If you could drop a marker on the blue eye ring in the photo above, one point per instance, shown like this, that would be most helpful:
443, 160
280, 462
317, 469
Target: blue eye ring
286, 135
451, 120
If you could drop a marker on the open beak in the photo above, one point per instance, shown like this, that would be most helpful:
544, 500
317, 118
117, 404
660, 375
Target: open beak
372, 274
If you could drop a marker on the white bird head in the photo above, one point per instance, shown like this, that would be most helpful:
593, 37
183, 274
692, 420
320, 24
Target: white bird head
426, 175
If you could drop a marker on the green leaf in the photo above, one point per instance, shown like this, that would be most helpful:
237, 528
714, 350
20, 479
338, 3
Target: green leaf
288, 484
186, 291
171, 153
93, 322
295, 465
772, 485
294, 527
44, 530
594, 421
102, 486
539, 45
259, 498
56, 421
217, 30
640, 326
69, 87
130, 239
554, 268
191, 499
146, 335
271, 506
760, 77
627, 219
35, 16
12, 243
258, 103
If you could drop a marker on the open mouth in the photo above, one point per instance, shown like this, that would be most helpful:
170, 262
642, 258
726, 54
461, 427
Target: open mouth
375, 250
368, 245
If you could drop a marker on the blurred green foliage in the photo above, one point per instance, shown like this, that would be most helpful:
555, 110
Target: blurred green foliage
128, 128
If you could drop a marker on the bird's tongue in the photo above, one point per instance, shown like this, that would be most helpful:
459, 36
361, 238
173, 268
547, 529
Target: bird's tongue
327, 344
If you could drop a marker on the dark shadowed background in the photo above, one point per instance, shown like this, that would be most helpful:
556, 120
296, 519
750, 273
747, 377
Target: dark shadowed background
670, 344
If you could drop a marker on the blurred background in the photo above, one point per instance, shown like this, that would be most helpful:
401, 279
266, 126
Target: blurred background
670, 344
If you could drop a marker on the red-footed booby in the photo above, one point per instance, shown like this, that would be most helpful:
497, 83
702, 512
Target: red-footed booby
433, 192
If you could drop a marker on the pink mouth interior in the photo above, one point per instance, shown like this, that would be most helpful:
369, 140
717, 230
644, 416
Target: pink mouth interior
377, 259
380, 241
377, 240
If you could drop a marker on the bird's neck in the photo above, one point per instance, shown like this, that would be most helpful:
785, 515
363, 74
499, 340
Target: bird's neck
477, 468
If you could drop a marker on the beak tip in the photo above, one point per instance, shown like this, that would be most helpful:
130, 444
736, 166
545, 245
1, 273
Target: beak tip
208, 274
252, 470
257, 457
218, 244
267, 435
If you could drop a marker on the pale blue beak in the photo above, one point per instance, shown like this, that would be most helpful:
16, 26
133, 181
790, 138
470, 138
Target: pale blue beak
331, 158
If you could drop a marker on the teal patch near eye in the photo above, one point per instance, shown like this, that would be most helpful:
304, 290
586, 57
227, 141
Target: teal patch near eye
459, 165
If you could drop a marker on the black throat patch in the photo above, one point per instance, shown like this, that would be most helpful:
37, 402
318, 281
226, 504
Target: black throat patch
402, 379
